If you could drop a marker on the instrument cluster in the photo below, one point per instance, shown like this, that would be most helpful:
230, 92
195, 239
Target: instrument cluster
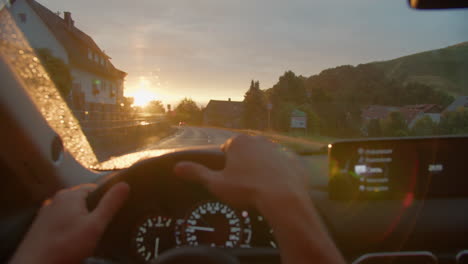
208, 223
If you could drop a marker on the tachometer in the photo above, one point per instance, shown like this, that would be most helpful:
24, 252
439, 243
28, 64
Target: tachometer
153, 236
213, 224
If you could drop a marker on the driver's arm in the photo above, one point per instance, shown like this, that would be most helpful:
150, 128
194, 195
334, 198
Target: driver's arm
258, 174
65, 231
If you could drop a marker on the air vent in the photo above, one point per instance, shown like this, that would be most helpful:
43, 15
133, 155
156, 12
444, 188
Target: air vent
408, 257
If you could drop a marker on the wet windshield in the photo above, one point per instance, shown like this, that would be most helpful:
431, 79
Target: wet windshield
153, 75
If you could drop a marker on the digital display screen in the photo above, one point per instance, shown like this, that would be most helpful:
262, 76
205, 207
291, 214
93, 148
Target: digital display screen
399, 168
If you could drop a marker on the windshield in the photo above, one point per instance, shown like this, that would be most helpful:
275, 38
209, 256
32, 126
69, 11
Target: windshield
160, 75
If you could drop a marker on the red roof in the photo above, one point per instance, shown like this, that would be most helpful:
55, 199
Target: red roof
378, 112
409, 112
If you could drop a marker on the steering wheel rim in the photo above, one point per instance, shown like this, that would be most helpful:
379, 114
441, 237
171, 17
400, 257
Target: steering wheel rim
196, 255
156, 169
212, 158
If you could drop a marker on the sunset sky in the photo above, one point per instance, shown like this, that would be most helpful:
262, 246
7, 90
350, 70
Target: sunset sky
211, 49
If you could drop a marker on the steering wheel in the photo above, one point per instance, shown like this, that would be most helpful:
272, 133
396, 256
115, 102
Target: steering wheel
152, 183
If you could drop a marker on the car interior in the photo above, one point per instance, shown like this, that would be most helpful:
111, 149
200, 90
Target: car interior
384, 200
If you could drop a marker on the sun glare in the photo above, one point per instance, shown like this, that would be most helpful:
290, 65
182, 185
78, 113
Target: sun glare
142, 93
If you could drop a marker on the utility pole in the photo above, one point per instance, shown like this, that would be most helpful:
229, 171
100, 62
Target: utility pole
269, 107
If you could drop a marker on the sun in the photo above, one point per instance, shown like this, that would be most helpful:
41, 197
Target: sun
142, 97
142, 93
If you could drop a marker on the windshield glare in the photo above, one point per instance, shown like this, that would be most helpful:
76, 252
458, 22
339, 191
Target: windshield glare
153, 75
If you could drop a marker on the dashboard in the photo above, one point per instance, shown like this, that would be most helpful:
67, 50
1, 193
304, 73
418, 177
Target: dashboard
378, 221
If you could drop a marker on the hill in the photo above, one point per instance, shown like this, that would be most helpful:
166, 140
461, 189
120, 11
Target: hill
337, 96
444, 69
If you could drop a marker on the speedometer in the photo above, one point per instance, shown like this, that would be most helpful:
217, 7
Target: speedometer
213, 224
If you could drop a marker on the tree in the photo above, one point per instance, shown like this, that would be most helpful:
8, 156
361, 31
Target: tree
58, 71
424, 127
374, 129
255, 112
187, 111
283, 115
313, 120
395, 125
455, 122
290, 88
155, 107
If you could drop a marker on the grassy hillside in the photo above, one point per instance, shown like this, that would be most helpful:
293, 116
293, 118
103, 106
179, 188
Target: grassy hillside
445, 69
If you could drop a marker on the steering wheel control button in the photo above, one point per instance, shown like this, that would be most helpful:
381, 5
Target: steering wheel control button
414, 257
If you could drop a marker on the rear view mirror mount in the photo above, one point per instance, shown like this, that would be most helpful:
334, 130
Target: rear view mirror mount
438, 4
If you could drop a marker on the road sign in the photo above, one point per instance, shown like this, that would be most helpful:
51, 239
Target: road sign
269, 106
298, 122
298, 119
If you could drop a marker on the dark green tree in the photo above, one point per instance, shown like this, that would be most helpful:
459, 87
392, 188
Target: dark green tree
395, 125
454, 123
155, 107
313, 120
187, 111
290, 88
255, 112
424, 127
58, 71
374, 129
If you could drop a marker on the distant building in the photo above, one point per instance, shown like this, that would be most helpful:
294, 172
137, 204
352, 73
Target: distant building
377, 112
460, 102
223, 114
97, 85
411, 113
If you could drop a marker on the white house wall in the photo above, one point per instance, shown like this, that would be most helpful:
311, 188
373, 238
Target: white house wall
85, 81
36, 31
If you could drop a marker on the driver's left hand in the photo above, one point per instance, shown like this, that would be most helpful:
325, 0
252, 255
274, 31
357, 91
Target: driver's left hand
65, 231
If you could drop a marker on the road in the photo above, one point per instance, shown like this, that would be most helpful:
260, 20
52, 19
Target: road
193, 136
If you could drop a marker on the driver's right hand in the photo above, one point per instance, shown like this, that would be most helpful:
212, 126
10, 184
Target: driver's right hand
255, 169
259, 174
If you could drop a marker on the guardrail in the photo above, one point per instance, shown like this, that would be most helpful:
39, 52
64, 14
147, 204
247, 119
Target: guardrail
97, 120
115, 133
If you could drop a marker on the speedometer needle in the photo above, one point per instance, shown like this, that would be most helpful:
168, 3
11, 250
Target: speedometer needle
202, 228
156, 247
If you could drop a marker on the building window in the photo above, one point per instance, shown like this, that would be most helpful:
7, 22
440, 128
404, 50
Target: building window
104, 86
96, 84
22, 17
90, 54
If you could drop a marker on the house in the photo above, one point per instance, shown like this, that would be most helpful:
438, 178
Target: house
223, 114
377, 112
411, 113
460, 102
97, 85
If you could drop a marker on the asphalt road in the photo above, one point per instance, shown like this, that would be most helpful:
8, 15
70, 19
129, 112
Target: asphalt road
194, 136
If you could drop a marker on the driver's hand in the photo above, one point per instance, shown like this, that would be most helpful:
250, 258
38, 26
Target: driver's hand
259, 174
255, 169
65, 231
